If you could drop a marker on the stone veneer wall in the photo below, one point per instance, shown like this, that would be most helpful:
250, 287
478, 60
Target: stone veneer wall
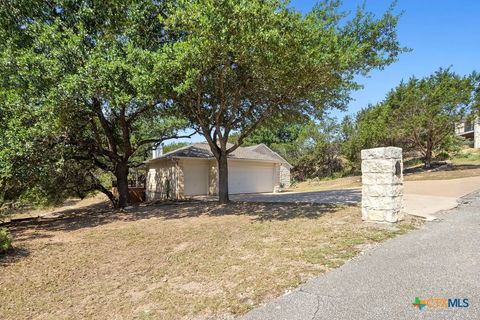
284, 176
382, 184
212, 178
162, 182
180, 187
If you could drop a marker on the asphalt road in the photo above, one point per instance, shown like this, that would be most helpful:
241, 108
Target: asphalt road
440, 260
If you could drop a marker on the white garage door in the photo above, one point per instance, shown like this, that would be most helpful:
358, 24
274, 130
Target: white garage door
250, 178
195, 175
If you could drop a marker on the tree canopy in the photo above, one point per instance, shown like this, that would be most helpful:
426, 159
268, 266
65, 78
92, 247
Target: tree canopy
370, 128
419, 115
426, 110
89, 66
89, 87
237, 63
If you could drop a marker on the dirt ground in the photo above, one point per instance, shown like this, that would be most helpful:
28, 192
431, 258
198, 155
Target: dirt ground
175, 261
332, 184
195, 260
99, 200
453, 171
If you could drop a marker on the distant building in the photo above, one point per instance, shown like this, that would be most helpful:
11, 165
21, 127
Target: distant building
470, 129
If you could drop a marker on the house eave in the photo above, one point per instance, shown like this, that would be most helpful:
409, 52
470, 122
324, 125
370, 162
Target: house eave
213, 158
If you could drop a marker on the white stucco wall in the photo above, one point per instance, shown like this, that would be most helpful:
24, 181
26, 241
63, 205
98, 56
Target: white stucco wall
476, 133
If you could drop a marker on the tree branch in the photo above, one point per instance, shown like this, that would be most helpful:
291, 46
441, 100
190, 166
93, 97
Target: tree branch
249, 130
125, 133
106, 127
165, 138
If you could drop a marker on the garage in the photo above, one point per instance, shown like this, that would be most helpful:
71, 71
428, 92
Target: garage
250, 177
195, 173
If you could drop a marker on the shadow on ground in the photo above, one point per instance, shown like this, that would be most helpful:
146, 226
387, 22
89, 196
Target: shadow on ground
13, 255
310, 205
260, 208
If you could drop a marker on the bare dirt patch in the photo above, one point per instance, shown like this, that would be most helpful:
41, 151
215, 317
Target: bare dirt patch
99, 201
179, 261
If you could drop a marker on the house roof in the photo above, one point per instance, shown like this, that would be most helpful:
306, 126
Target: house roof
202, 150
264, 149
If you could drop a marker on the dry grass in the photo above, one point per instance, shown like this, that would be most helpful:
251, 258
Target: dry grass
465, 164
451, 171
332, 184
467, 156
190, 261
70, 204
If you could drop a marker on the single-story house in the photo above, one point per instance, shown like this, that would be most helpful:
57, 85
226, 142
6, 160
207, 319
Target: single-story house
192, 171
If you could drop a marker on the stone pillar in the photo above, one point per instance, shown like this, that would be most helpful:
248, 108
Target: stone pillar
382, 184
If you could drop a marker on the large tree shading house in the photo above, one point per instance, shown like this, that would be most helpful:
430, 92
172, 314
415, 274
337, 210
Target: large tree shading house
192, 171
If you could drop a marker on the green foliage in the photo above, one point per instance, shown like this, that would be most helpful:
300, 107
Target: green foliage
33, 166
248, 59
86, 68
475, 78
371, 128
236, 64
279, 136
426, 110
275, 134
418, 115
313, 148
5, 240
174, 146
318, 151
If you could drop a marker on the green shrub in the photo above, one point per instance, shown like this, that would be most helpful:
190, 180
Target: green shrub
442, 156
5, 240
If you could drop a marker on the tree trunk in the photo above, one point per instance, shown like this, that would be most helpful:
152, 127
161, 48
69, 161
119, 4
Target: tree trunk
428, 158
222, 179
121, 173
108, 193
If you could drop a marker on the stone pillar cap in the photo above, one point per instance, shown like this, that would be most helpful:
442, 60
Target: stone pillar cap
382, 153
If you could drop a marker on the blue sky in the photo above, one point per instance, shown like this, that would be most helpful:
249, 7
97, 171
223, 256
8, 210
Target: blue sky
441, 33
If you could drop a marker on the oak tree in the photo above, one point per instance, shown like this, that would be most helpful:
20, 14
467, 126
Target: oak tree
89, 66
237, 63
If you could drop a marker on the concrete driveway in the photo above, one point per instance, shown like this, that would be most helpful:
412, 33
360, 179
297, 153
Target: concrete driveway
422, 198
348, 196
427, 197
